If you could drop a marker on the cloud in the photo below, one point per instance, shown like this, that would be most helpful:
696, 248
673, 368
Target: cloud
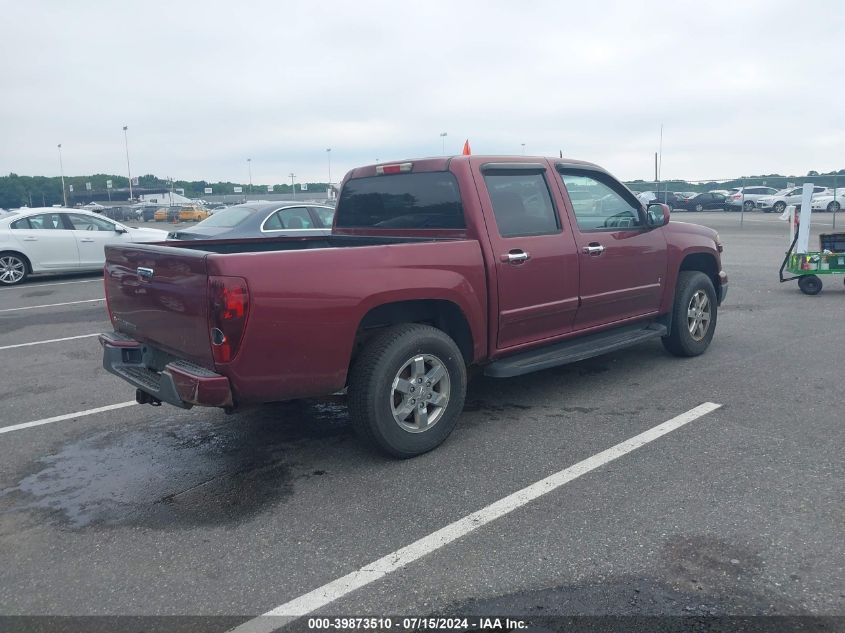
741, 87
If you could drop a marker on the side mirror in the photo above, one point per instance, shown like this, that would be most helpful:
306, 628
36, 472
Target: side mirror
119, 229
657, 214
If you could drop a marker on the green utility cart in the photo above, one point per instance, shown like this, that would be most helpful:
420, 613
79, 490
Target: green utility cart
806, 267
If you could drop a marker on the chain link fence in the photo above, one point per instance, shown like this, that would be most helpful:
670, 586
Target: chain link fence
767, 194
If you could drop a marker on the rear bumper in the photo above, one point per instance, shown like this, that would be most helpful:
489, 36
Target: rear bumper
181, 383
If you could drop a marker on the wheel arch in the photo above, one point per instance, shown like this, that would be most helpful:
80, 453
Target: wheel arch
705, 263
443, 314
27, 261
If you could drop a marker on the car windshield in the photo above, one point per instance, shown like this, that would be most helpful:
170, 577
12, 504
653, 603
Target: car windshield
228, 218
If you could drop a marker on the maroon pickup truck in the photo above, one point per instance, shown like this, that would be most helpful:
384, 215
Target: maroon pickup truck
511, 264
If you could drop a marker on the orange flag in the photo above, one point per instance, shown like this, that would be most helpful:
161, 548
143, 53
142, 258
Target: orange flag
466, 151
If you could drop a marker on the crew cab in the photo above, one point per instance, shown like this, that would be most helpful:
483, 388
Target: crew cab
512, 264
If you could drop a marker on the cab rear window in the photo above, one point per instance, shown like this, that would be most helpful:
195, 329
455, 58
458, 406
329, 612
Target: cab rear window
426, 200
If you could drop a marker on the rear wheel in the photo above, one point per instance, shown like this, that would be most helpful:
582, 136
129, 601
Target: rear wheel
694, 315
810, 284
779, 206
748, 205
14, 269
407, 389
699, 207
833, 207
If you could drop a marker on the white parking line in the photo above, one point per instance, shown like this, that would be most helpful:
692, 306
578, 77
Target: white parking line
53, 283
66, 416
52, 305
320, 597
52, 340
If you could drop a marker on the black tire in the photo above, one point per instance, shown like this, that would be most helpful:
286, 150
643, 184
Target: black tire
699, 207
680, 341
371, 394
810, 284
833, 207
13, 264
748, 205
779, 206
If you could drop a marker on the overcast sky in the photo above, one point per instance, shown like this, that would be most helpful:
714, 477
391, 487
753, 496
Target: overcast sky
742, 87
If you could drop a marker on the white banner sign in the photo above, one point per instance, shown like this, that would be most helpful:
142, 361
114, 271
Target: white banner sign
71, 188
269, 188
237, 189
208, 190
108, 184
303, 186
88, 186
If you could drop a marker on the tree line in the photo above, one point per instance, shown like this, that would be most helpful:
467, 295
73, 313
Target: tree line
37, 191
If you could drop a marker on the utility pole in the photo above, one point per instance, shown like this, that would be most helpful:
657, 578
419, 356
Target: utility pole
128, 168
443, 136
523, 149
329, 154
62, 172
292, 185
249, 166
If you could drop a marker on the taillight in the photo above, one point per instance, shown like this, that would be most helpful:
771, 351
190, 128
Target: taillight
106, 292
228, 308
381, 170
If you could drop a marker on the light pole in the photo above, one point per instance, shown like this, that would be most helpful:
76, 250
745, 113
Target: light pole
292, 185
523, 149
62, 172
329, 154
443, 136
128, 168
249, 166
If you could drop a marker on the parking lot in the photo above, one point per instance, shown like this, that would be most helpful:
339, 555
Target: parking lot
108, 507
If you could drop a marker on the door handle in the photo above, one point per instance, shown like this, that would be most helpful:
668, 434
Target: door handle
85, 239
30, 239
595, 249
515, 256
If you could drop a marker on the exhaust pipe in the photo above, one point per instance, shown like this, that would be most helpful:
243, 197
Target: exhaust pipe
142, 397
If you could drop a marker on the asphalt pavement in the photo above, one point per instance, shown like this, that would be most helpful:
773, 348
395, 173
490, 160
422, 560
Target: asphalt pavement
156, 511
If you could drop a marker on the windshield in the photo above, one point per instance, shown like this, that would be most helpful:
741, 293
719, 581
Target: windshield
228, 217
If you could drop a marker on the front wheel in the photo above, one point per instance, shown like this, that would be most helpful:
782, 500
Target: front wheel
810, 284
748, 205
779, 207
833, 207
694, 315
407, 389
699, 207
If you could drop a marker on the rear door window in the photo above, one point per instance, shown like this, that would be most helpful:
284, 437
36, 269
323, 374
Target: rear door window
44, 221
293, 218
425, 200
522, 204
325, 215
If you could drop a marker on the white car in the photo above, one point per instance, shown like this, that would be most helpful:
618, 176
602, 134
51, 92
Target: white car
829, 201
48, 240
746, 197
783, 198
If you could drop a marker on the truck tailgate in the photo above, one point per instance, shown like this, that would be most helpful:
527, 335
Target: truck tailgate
159, 295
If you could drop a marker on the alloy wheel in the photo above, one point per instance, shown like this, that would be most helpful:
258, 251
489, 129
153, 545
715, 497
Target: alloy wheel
698, 315
420, 393
12, 269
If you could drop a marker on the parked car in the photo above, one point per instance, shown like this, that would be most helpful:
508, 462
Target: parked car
828, 201
686, 195
167, 214
668, 198
263, 219
779, 200
513, 264
722, 192
703, 201
57, 240
746, 197
192, 214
